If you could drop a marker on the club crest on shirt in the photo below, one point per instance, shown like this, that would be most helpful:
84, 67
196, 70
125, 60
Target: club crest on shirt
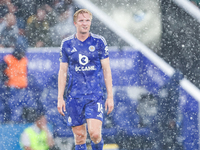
92, 48
69, 119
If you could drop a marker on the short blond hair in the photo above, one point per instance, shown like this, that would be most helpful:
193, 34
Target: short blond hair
81, 11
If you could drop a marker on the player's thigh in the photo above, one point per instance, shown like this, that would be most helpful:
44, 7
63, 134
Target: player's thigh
79, 131
94, 126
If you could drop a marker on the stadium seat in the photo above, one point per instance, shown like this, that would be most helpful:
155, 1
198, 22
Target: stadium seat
4, 107
166, 125
108, 130
33, 92
126, 121
125, 114
15, 103
51, 91
1, 112
60, 128
24, 98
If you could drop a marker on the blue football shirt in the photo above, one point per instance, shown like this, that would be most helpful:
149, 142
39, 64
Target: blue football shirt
85, 70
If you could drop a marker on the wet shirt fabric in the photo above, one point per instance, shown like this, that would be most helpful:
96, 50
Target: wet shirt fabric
85, 76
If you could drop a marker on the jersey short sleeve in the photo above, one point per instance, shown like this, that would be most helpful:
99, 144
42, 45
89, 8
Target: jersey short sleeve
103, 48
63, 52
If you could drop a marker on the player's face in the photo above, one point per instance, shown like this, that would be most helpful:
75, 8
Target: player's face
83, 23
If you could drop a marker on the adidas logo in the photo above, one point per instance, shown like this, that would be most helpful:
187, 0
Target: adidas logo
74, 50
100, 115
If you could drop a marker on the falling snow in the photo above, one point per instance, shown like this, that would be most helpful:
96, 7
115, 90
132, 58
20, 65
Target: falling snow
156, 78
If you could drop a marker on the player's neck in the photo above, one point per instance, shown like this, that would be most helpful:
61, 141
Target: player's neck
82, 37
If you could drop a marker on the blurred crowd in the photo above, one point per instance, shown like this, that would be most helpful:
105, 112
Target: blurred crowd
38, 23
196, 2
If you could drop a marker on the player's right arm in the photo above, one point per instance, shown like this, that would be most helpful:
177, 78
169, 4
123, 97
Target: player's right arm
62, 77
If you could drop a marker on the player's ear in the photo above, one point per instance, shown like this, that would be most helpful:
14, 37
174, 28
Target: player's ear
75, 23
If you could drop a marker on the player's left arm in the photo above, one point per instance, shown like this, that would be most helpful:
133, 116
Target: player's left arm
109, 104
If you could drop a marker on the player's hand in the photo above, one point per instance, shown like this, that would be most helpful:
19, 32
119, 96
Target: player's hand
109, 105
61, 106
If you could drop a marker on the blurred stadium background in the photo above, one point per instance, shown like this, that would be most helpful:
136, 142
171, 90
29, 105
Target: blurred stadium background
154, 54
